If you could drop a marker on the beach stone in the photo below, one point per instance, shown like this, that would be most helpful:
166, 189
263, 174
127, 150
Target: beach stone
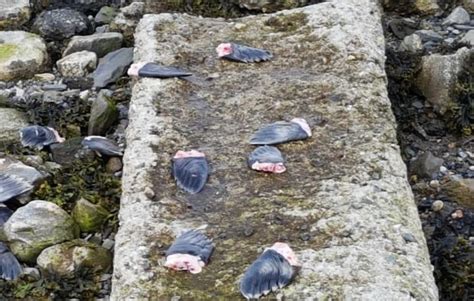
468, 38
12, 122
14, 13
89, 216
329, 60
270, 6
36, 226
426, 165
77, 64
105, 15
412, 43
104, 113
112, 66
60, 24
22, 54
458, 16
100, 43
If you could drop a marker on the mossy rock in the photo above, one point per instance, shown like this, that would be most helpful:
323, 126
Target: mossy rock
89, 216
104, 113
69, 258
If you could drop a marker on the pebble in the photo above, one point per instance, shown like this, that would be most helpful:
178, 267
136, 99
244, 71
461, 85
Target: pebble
46, 77
443, 169
437, 205
54, 87
32, 273
108, 244
408, 237
434, 184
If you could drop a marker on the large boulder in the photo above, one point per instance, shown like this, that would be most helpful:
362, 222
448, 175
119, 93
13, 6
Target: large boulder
100, 43
77, 64
112, 66
439, 75
60, 24
12, 122
344, 202
270, 6
69, 258
104, 113
36, 226
14, 13
22, 55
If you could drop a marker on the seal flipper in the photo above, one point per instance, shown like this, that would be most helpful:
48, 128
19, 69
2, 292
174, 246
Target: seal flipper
242, 53
280, 132
192, 242
159, 71
12, 186
39, 136
10, 268
102, 145
190, 172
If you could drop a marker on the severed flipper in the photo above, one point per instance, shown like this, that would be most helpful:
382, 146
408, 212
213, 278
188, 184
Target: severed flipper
271, 271
281, 132
156, 71
190, 170
10, 268
267, 159
241, 53
102, 145
39, 136
190, 252
12, 186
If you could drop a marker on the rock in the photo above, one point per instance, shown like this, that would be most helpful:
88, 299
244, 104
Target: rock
411, 43
426, 165
112, 67
108, 244
426, 7
429, 35
135, 10
100, 43
270, 6
88, 216
126, 21
458, 16
113, 165
460, 190
14, 167
88, 7
14, 13
69, 258
103, 114
468, 38
311, 51
77, 64
437, 205
21, 55
12, 122
36, 226
105, 15
468, 5
438, 77
44, 77
402, 27
60, 24
67, 152
54, 87
32, 273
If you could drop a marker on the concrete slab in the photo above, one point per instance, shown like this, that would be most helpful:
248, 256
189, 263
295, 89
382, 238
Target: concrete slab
344, 203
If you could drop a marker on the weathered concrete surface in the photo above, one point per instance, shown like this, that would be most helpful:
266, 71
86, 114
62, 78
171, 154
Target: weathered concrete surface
344, 203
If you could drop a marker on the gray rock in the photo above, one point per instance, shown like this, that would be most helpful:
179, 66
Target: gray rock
32, 273
67, 152
60, 24
411, 43
77, 64
17, 168
105, 15
113, 165
36, 226
426, 7
23, 56
102, 29
44, 77
460, 190
458, 16
14, 13
100, 43
69, 258
135, 10
270, 6
402, 27
468, 38
126, 21
112, 67
426, 165
429, 35
437, 205
438, 78
12, 122
54, 87
103, 113
90, 217
312, 56
468, 5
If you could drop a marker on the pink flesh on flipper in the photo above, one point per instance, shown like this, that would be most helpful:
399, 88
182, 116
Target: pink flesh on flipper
285, 251
184, 262
56, 134
190, 154
269, 167
134, 68
224, 49
304, 125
